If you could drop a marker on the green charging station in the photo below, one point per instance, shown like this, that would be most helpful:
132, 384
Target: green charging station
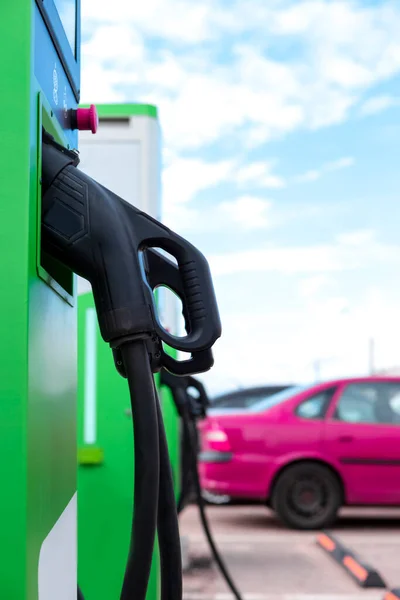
40, 81
123, 156
65, 423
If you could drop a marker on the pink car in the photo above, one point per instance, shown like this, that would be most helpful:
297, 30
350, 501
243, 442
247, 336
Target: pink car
307, 451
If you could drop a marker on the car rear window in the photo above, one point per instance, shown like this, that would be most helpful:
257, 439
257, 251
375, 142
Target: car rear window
278, 398
245, 398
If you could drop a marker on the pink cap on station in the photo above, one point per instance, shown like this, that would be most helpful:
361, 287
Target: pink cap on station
87, 119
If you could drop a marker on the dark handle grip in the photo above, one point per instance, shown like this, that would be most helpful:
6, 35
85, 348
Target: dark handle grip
160, 271
193, 292
199, 362
199, 301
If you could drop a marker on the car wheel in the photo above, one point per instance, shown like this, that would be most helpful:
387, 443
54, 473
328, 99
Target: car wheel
307, 496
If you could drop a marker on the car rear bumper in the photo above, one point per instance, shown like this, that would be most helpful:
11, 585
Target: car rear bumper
225, 474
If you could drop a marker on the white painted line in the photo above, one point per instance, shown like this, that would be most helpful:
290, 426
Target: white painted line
285, 537
254, 539
283, 596
90, 417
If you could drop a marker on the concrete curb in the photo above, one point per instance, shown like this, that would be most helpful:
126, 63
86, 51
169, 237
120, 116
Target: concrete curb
362, 573
393, 594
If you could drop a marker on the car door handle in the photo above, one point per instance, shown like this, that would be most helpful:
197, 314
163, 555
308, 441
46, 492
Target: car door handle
346, 438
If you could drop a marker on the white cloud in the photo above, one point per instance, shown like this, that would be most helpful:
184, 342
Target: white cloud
249, 212
118, 43
360, 36
360, 237
109, 57
259, 174
335, 165
310, 286
342, 51
183, 178
308, 176
341, 163
377, 104
348, 253
282, 260
177, 21
241, 214
183, 219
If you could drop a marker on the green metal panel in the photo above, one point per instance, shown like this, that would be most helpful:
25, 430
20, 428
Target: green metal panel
105, 487
15, 196
37, 328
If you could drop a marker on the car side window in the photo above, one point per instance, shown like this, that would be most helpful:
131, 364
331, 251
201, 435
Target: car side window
375, 402
230, 402
316, 406
237, 401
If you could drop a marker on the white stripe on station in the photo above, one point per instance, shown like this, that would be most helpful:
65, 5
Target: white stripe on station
90, 416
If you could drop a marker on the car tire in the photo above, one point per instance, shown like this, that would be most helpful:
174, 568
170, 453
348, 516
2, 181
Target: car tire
307, 495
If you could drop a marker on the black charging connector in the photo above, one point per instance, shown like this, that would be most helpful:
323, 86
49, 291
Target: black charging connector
100, 237
195, 406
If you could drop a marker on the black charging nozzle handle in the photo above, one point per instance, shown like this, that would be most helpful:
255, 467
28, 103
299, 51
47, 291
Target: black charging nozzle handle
101, 237
161, 271
190, 410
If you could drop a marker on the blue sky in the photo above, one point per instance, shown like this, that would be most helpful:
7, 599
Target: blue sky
281, 148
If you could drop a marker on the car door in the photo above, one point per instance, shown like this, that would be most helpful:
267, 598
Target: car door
300, 433
362, 436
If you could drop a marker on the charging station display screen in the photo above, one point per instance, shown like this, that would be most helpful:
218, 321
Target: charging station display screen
67, 13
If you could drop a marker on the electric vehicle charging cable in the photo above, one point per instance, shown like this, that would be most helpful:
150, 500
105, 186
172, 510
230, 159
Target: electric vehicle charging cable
167, 523
202, 512
186, 474
154, 507
147, 469
185, 409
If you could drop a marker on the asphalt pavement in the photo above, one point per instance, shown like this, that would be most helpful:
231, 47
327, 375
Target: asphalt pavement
270, 562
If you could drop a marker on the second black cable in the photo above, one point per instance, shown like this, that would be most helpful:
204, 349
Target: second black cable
167, 522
